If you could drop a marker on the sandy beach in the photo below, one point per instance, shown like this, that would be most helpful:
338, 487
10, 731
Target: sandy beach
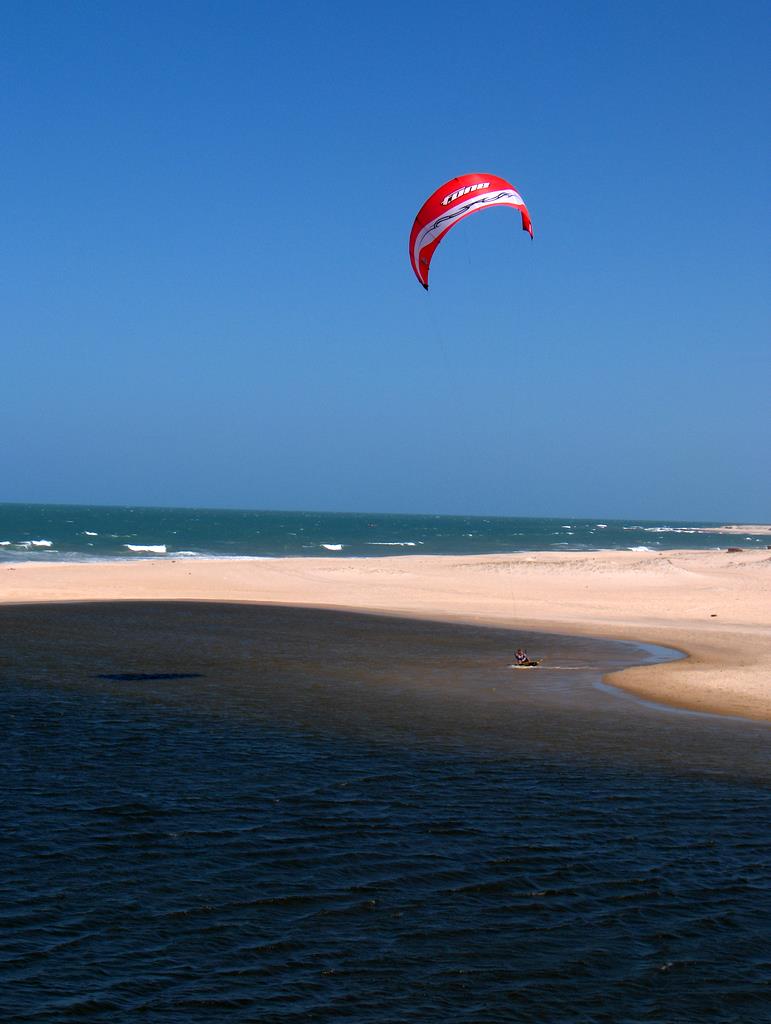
714, 606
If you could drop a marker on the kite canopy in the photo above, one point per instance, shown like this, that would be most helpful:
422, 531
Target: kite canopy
456, 199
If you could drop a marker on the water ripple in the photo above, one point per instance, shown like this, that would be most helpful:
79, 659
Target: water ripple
209, 842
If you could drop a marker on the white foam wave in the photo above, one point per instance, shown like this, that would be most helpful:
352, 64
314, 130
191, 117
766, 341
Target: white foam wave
662, 529
394, 543
42, 543
333, 547
640, 547
90, 533
601, 526
153, 549
5, 543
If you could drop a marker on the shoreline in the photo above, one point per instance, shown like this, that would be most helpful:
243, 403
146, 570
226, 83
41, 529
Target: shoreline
712, 606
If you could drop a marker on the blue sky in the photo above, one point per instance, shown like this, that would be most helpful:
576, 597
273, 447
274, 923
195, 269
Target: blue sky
205, 292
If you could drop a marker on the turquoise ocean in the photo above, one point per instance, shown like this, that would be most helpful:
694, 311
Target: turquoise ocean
93, 532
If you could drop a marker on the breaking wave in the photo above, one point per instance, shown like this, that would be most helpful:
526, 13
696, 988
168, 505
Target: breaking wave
392, 543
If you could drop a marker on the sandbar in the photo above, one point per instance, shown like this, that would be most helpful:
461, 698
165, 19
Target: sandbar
755, 530
712, 605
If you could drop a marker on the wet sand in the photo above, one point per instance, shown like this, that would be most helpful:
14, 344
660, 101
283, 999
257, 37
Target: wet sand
714, 605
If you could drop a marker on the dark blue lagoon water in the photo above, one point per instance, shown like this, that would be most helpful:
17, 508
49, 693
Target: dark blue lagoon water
244, 813
80, 532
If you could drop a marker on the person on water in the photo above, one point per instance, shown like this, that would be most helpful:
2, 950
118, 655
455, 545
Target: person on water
521, 657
